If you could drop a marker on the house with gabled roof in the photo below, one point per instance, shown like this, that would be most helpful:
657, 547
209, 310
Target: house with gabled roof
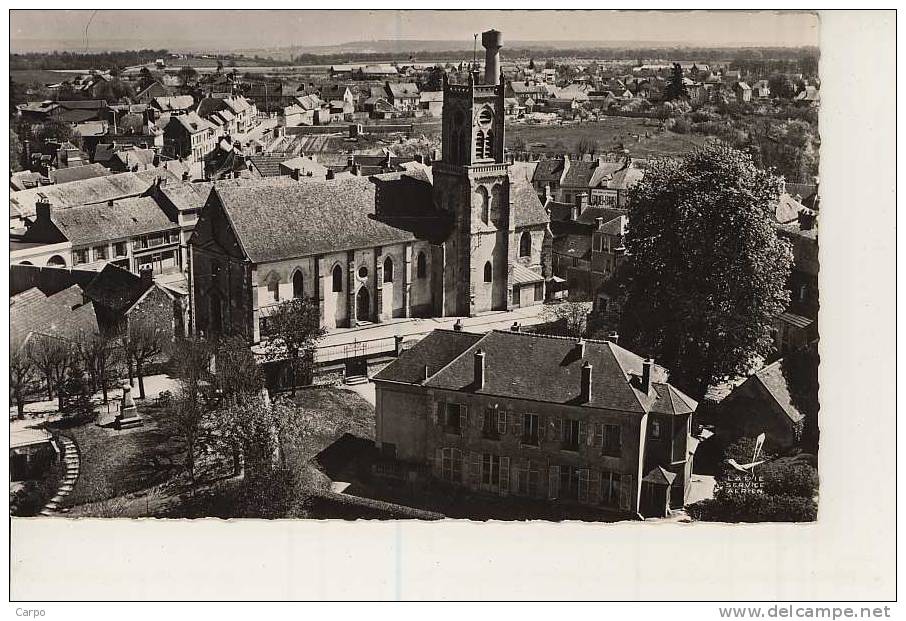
585, 423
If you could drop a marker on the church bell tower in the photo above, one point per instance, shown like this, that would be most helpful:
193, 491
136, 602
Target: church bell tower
472, 183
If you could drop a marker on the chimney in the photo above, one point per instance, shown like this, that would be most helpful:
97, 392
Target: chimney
599, 222
296, 174
492, 41
110, 203
515, 327
147, 275
350, 161
581, 202
585, 388
458, 325
547, 192
580, 347
479, 369
646, 375
356, 170
42, 207
330, 174
427, 373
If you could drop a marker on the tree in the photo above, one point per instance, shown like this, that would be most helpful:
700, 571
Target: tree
675, 87
219, 66
186, 414
567, 318
238, 375
295, 329
781, 86
52, 356
587, 145
187, 74
23, 377
531, 63
15, 152
143, 341
51, 129
76, 395
98, 354
707, 271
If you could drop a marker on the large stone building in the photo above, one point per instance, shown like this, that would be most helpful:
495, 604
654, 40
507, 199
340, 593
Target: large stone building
455, 239
512, 413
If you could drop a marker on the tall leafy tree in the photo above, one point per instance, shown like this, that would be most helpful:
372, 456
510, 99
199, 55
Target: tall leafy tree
675, 87
295, 329
706, 268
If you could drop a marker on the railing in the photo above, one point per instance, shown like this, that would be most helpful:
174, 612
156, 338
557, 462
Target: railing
356, 349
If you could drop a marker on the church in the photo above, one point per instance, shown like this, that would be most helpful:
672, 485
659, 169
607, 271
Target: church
458, 238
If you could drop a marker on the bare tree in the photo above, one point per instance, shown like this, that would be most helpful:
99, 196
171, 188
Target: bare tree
186, 413
53, 356
588, 146
568, 318
23, 377
237, 372
98, 355
143, 341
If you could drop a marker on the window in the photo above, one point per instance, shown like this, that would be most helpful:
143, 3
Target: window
119, 249
525, 244
451, 464
530, 429
80, 256
569, 483
654, 430
421, 268
455, 417
488, 272
572, 434
610, 489
528, 479
490, 469
388, 270
609, 438
363, 272
489, 143
337, 276
493, 424
100, 252
298, 285
274, 288
483, 206
479, 145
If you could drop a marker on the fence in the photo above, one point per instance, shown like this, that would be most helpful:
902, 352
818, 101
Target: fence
357, 350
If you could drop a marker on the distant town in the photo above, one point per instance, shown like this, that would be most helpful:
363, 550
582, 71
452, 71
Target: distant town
541, 284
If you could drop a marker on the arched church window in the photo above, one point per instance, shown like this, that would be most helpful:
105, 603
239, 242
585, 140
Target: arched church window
421, 267
489, 143
479, 144
483, 204
298, 285
488, 272
388, 270
337, 276
525, 244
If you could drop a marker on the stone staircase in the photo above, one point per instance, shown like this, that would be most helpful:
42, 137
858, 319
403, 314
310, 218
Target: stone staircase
70, 474
355, 380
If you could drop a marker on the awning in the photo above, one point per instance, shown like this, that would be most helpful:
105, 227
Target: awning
524, 276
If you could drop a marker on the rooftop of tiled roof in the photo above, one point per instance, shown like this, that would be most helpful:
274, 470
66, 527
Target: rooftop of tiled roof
89, 224
552, 377
77, 173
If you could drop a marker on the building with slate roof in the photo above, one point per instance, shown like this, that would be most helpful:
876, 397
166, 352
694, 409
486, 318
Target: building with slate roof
459, 238
587, 422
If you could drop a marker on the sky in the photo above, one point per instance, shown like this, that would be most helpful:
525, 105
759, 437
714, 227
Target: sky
235, 29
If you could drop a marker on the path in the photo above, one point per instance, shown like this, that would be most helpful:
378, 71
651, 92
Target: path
70, 474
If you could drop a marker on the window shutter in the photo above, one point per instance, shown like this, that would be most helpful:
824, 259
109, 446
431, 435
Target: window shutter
618, 443
516, 423
482, 419
438, 463
463, 416
561, 430
594, 487
625, 491
504, 476
463, 467
475, 470
599, 435
501, 422
553, 489
583, 485
542, 421
438, 410
583, 433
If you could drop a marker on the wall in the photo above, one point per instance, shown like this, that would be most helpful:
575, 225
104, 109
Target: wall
401, 415
49, 280
156, 308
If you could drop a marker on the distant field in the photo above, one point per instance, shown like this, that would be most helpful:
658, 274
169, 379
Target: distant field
29, 76
608, 133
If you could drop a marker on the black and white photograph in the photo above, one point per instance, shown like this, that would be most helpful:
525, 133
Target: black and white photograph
519, 267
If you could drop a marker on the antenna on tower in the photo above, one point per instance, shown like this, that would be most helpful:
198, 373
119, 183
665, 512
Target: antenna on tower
475, 52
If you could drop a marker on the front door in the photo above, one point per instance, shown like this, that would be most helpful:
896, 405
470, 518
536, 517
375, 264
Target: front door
363, 305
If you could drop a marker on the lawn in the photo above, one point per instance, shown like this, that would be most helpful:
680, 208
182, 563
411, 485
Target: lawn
341, 412
609, 132
30, 76
114, 463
